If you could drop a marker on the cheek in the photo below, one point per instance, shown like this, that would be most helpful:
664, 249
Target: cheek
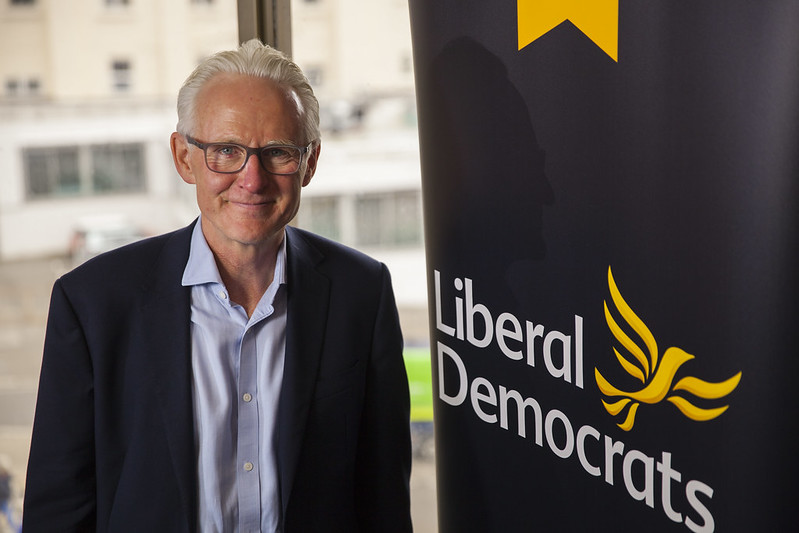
289, 188
211, 186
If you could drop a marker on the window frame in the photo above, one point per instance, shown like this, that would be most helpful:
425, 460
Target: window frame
71, 171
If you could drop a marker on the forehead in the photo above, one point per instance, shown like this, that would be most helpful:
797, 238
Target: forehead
247, 107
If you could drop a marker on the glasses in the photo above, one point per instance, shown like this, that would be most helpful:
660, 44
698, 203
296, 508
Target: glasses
229, 158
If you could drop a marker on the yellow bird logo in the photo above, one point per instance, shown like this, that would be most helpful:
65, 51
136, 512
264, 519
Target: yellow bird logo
656, 374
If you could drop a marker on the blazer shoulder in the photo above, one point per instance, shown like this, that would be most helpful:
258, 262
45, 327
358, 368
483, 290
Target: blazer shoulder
325, 252
332, 259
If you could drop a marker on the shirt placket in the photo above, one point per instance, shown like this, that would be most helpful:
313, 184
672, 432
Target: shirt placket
248, 453
247, 445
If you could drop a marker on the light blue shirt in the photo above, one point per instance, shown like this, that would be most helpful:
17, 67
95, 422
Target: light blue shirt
237, 373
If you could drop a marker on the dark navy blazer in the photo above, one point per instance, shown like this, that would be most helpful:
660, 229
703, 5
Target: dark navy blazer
113, 438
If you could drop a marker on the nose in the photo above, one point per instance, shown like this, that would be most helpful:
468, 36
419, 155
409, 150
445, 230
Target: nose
253, 177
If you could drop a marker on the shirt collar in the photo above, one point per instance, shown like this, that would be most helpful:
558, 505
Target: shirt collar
201, 267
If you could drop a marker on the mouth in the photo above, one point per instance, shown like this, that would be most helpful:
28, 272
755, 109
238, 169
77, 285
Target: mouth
252, 204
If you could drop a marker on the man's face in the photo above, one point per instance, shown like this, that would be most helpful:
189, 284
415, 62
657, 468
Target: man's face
252, 206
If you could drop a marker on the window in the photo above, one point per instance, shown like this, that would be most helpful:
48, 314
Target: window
84, 170
388, 219
120, 72
22, 2
117, 2
52, 171
17, 88
12, 87
322, 215
383, 220
33, 86
117, 168
202, 1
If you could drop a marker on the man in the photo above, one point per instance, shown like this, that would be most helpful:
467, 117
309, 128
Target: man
235, 375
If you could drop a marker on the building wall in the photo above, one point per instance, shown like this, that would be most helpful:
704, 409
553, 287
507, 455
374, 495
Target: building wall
362, 46
72, 45
358, 49
70, 48
31, 226
24, 41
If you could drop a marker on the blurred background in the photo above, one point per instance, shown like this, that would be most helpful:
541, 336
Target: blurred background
87, 104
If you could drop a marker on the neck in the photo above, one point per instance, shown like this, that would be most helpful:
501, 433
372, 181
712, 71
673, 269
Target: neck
247, 271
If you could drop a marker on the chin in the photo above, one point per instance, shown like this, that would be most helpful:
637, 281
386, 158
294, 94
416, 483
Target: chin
255, 237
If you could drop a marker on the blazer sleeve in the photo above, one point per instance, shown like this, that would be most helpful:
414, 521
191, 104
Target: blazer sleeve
60, 491
384, 448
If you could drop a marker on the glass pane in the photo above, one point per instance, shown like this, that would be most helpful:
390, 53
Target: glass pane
52, 171
87, 104
407, 214
367, 107
117, 168
369, 225
67, 174
323, 217
38, 176
357, 55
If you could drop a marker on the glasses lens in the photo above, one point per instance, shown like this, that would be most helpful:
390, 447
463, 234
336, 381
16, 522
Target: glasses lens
281, 159
225, 157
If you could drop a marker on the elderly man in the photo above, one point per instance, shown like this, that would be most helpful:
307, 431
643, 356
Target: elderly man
235, 375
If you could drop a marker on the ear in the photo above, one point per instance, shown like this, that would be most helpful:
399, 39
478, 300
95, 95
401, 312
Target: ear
180, 156
310, 166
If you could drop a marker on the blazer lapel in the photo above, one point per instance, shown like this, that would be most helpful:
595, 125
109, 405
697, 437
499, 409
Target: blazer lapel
308, 300
167, 344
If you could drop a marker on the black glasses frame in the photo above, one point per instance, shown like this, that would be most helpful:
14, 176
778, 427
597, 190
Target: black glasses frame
250, 151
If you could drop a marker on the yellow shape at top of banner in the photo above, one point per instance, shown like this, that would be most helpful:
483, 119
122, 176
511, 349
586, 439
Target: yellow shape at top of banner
597, 19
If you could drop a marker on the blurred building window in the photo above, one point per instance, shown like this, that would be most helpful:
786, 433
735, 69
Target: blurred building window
117, 168
52, 171
16, 88
84, 170
12, 87
117, 2
388, 219
121, 74
322, 215
202, 1
22, 2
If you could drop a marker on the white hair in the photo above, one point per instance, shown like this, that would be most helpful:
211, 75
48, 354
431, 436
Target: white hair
257, 60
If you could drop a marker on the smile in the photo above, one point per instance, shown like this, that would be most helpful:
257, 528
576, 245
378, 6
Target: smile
251, 205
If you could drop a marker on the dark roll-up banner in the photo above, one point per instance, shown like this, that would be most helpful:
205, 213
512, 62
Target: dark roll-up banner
610, 199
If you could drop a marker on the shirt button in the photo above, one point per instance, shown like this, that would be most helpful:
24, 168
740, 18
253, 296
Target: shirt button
248, 466
247, 397
223, 295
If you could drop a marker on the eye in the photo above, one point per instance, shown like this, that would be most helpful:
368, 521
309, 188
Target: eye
225, 150
277, 152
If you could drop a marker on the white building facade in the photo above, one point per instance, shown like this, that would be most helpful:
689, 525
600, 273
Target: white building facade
86, 109
87, 106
